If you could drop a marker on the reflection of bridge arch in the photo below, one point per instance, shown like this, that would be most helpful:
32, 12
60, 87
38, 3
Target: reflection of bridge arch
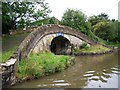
40, 39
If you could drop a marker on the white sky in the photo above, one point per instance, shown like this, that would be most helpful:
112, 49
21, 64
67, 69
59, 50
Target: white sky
88, 7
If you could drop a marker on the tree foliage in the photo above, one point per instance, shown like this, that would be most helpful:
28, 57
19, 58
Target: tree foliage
106, 30
49, 20
118, 38
98, 18
76, 19
21, 14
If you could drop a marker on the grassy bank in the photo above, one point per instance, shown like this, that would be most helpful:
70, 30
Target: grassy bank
113, 44
10, 44
6, 55
38, 65
94, 49
11, 41
91, 35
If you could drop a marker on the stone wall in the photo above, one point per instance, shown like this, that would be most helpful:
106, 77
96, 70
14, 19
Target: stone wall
8, 72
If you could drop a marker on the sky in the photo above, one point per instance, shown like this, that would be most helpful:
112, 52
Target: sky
88, 7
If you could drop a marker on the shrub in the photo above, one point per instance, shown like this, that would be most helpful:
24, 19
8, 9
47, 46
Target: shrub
84, 45
41, 64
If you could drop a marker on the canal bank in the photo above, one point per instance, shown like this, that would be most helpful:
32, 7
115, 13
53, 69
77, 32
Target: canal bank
89, 72
36, 66
28, 71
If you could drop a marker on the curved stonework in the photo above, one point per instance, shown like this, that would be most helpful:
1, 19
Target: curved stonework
32, 40
45, 43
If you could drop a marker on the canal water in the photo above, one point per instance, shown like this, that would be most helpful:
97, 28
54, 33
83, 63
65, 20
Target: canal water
88, 72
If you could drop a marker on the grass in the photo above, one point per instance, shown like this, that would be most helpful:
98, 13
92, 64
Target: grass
94, 48
38, 65
117, 44
6, 55
11, 41
0, 57
10, 44
91, 35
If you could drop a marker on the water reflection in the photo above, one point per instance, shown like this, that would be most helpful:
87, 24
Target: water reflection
88, 72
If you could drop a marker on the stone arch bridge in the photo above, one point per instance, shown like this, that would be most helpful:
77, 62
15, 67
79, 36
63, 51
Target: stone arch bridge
55, 38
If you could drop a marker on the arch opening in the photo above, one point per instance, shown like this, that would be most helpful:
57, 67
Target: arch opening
60, 45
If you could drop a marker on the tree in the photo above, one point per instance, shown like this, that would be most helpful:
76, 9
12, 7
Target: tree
21, 14
49, 20
118, 36
75, 19
53, 20
106, 31
98, 18
116, 27
103, 16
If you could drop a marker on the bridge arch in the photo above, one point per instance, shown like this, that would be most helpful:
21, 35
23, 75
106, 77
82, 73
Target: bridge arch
60, 45
40, 39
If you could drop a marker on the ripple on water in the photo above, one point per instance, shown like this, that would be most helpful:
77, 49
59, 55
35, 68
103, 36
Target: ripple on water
55, 84
61, 84
95, 78
105, 75
59, 81
116, 70
102, 79
87, 75
89, 72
